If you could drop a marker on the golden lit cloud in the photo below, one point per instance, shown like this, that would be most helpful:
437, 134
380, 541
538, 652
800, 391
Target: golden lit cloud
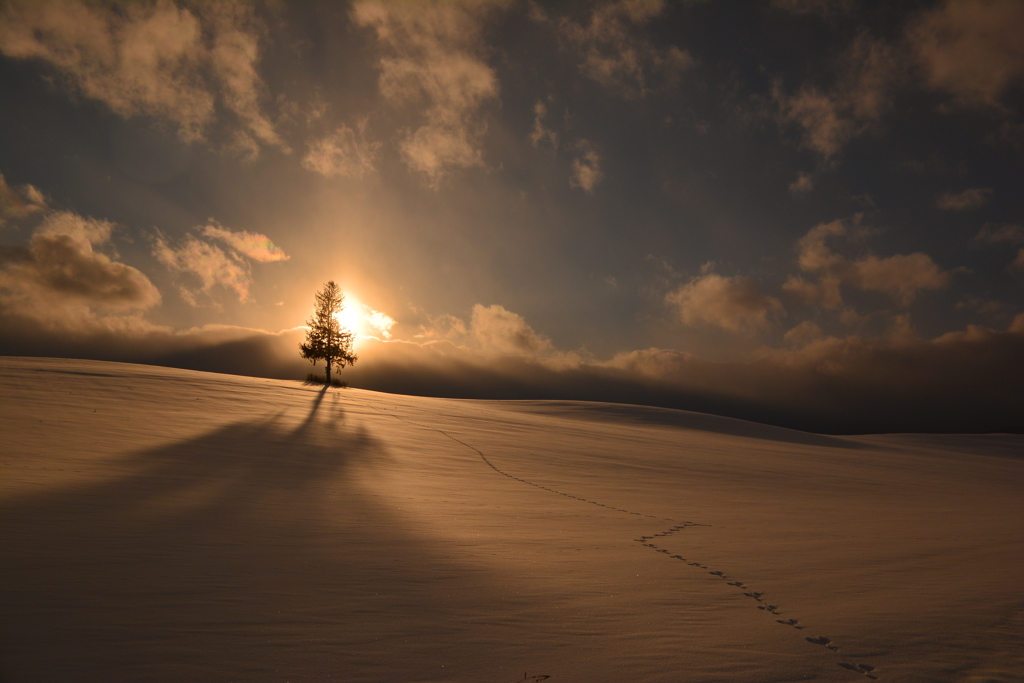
731, 303
364, 321
252, 244
614, 52
210, 264
586, 168
901, 276
151, 59
63, 280
18, 203
344, 153
433, 64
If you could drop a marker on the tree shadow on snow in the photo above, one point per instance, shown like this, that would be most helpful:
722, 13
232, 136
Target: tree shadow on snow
247, 552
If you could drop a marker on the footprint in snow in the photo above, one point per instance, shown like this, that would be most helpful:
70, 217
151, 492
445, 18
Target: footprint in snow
861, 669
823, 640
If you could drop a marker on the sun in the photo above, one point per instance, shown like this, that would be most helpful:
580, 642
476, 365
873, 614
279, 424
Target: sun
352, 317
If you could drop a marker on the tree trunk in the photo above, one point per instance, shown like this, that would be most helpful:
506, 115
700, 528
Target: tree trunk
330, 345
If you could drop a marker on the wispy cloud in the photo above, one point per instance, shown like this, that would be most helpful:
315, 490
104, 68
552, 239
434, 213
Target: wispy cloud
19, 203
803, 184
344, 153
970, 198
994, 234
541, 133
252, 244
152, 59
209, 263
1005, 234
213, 266
586, 168
830, 118
614, 52
829, 10
433, 61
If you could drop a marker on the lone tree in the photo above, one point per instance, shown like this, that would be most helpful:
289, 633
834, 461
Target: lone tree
326, 340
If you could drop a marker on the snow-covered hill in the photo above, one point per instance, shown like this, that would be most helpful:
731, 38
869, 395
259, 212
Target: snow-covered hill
169, 525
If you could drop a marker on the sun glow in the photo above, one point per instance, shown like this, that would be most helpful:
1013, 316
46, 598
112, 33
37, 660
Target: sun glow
351, 317
363, 320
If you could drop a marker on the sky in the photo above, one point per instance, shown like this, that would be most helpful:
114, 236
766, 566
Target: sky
802, 212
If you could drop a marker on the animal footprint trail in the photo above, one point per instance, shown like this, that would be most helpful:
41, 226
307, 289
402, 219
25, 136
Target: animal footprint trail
865, 669
822, 640
759, 597
512, 476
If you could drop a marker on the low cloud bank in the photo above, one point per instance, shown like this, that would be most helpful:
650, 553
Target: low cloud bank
962, 382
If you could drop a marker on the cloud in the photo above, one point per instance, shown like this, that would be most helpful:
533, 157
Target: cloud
823, 9
493, 328
540, 133
213, 266
732, 303
432, 62
1004, 234
210, 264
803, 334
824, 293
377, 322
1018, 263
966, 381
995, 234
970, 198
828, 119
19, 203
971, 50
613, 53
901, 276
252, 244
586, 168
803, 184
443, 327
62, 281
151, 59
344, 153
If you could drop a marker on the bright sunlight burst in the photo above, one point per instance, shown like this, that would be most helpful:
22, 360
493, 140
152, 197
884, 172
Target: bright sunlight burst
363, 320
351, 317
